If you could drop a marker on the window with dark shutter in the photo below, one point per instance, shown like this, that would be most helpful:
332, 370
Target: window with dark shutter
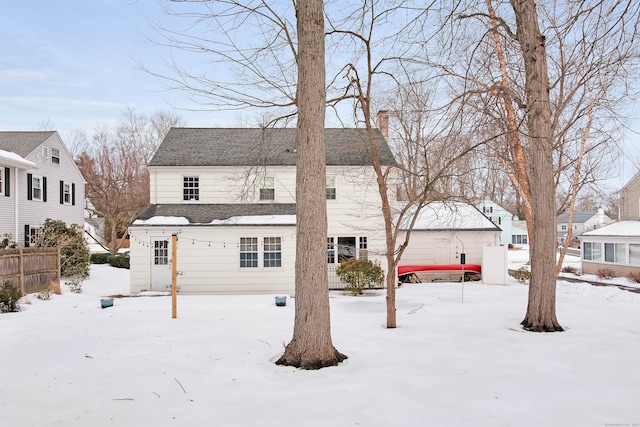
7, 182
29, 186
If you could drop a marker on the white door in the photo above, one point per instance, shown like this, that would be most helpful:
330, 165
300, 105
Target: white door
161, 263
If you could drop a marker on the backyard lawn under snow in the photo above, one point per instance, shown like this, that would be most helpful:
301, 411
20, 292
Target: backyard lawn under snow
450, 362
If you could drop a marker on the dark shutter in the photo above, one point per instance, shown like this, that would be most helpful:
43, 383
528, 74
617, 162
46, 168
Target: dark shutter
7, 182
29, 186
73, 194
44, 188
26, 235
62, 192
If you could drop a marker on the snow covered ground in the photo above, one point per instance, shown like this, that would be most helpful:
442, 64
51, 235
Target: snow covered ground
450, 362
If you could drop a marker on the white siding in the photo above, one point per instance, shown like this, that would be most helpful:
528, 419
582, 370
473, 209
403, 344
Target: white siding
7, 205
35, 212
444, 247
208, 258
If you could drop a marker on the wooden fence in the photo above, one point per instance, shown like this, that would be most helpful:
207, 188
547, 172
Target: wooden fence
31, 269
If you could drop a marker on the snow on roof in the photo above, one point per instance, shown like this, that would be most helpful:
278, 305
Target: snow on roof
257, 220
13, 159
621, 228
449, 216
234, 220
162, 220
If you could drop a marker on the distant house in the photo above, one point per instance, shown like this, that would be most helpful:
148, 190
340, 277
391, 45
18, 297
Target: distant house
38, 180
630, 199
582, 222
615, 247
511, 232
445, 230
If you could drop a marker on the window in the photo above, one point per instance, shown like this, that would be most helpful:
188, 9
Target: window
563, 227
592, 251
36, 188
55, 156
2, 172
364, 252
31, 235
160, 252
190, 188
268, 191
331, 250
346, 248
248, 252
67, 193
614, 252
519, 239
634, 254
272, 252
331, 188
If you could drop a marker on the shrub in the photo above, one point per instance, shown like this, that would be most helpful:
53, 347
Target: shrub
100, 258
75, 286
7, 242
74, 252
569, 269
9, 297
605, 273
119, 261
44, 294
634, 276
360, 274
522, 275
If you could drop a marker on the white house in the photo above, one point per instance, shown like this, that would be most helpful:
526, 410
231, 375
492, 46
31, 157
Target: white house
581, 222
511, 232
229, 196
38, 180
615, 247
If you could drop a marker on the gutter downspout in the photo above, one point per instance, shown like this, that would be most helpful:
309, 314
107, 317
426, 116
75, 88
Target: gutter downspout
15, 205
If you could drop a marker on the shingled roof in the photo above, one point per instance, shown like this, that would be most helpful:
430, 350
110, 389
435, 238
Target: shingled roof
23, 143
272, 147
206, 213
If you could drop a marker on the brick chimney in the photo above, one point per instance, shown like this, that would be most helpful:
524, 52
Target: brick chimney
382, 120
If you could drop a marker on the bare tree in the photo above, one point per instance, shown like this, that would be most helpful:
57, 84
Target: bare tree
114, 167
311, 346
431, 141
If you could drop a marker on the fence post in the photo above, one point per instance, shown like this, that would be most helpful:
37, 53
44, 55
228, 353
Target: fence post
21, 270
58, 265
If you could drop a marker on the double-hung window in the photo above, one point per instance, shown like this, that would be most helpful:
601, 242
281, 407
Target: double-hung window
268, 189
272, 252
36, 188
331, 188
248, 252
331, 250
55, 156
190, 188
66, 193
364, 251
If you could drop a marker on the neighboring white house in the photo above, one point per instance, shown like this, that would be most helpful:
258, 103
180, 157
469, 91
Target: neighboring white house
229, 195
444, 230
582, 222
38, 180
615, 247
511, 234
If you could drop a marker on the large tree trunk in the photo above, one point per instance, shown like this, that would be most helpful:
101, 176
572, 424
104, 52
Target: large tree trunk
541, 309
311, 346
